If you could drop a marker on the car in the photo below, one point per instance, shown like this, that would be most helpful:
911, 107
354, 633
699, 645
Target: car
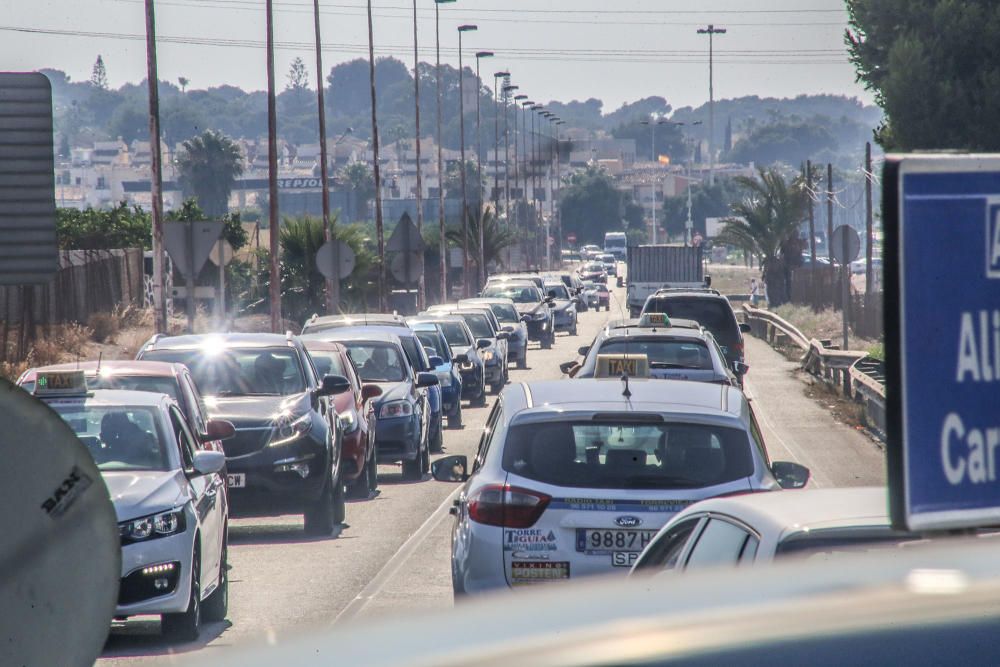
569, 256
603, 296
594, 272
356, 413
575, 478
573, 284
534, 308
466, 353
420, 362
707, 307
446, 368
403, 414
589, 293
503, 278
286, 454
610, 263
656, 350
174, 380
588, 252
318, 323
485, 327
860, 267
563, 307
512, 322
168, 494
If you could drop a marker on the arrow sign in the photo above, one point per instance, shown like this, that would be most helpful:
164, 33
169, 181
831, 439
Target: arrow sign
190, 243
405, 238
335, 260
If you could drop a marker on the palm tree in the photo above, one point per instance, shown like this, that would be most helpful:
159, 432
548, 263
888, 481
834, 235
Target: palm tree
766, 222
209, 165
497, 237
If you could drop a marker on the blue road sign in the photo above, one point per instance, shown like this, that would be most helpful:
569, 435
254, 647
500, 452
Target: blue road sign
942, 252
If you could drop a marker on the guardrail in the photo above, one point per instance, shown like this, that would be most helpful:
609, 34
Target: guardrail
854, 374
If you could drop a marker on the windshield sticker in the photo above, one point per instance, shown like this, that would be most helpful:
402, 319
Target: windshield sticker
529, 539
533, 573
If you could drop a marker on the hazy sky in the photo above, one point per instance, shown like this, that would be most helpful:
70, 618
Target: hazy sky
616, 50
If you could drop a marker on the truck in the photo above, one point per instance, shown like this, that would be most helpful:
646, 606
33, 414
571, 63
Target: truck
655, 267
615, 243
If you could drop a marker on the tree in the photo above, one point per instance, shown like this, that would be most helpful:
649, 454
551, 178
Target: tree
453, 181
99, 74
663, 139
121, 227
360, 179
934, 67
183, 81
706, 202
766, 222
787, 142
591, 206
497, 237
298, 77
209, 165
130, 122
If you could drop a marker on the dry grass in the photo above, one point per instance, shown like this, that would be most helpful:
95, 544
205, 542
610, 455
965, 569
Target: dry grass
105, 326
730, 279
63, 343
822, 325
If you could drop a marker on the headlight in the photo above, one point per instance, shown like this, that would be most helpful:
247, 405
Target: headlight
396, 409
287, 429
349, 420
539, 317
488, 356
444, 378
152, 527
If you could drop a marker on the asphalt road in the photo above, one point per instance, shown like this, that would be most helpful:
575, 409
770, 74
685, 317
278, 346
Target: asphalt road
392, 555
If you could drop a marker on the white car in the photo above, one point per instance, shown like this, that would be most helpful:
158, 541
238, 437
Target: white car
168, 493
762, 527
575, 478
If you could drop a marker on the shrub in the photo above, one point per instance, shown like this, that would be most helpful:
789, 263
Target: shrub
104, 326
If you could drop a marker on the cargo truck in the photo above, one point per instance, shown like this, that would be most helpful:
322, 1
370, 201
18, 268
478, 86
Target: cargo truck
654, 267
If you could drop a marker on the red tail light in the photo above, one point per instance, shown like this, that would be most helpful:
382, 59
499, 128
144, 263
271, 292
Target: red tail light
507, 506
739, 349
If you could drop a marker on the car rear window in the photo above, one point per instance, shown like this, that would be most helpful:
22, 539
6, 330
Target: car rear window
456, 334
627, 455
434, 341
504, 313
557, 291
663, 352
327, 362
479, 324
714, 314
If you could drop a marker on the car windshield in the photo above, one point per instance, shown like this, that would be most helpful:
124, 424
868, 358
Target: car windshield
505, 313
377, 362
714, 314
622, 455
433, 340
663, 352
478, 323
456, 334
118, 437
557, 291
234, 371
516, 293
327, 362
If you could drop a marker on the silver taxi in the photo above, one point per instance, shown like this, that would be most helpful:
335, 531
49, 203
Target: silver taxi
575, 478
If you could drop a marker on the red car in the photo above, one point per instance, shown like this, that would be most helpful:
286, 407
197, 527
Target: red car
360, 466
158, 377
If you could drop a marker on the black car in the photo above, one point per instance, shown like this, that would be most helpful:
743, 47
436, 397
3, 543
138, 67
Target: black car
402, 411
466, 352
286, 454
535, 309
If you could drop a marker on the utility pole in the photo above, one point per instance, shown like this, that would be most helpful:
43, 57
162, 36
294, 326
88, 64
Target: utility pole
711, 31
507, 90
377, 170
829, 223
496, 139
332, 285
421, 286
442, 241
274, 224
156, 180
466, 278
481, 255
812, 214
869, 232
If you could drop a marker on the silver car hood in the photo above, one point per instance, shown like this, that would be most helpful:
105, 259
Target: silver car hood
141, 493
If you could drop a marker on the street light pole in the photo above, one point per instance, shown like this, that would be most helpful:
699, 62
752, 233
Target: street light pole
496, 140
481, 255
376, 168
156, 177
272, 176
518, 146
332, 284
711, 31
465, 198
421, 286
442, 242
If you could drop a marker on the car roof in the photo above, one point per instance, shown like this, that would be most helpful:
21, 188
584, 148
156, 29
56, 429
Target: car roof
808, 509
368, 334
224, 340
487, 301
647, 396
706, 293
325, 345
681, 326
118, 367
436, 316
123, 397
662, 332
360, 318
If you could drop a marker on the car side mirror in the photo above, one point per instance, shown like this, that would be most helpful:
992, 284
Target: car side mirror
370, 391
551, 294
461, 359
503, 335
790, 475
218, 429
425, 380
740, 368
509, 328
525, 318
208, 462
569, 368
483, 343
436, 361
333, 385
745, 328
583, 351
451, 469
550, 302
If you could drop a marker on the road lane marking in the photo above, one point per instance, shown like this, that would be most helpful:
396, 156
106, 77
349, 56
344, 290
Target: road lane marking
395, 564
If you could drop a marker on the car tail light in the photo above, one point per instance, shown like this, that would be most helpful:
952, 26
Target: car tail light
507, 506
738, 347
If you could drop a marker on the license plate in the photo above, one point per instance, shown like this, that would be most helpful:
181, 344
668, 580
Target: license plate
522, 574
603, 541
236, 480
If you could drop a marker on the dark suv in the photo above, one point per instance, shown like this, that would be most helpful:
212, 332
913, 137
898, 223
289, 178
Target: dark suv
286, 454
707, 307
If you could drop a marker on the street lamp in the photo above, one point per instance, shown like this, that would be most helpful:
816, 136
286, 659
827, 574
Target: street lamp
421, 294
525, 105
481, 259
652, 123
465, 199
518, 145
496, 139
507, 90
442, 242
536, 179
711, 31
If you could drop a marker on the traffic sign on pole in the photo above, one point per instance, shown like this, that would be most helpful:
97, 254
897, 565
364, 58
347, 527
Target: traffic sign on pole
942, 328
406, 237
845, 245
335, 260
190, 243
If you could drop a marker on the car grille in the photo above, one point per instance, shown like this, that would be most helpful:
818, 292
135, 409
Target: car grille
247, 440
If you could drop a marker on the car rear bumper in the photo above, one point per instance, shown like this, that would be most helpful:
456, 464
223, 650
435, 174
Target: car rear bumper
494, 374
538, 330
450, 398
398, 439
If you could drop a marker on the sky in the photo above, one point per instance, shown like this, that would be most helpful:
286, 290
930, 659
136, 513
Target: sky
615, 50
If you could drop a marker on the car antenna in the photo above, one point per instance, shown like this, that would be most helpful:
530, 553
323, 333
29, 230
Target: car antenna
100, 357
628, 392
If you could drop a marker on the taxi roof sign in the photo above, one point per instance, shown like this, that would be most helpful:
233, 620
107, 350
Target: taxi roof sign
617, 365
654, 320
61, 383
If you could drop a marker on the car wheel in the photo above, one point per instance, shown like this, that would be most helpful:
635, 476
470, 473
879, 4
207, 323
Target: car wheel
547, 341
319, 519
217, 604
373, 470
412, 469
339, 502
522, 363
480, 400
437, 443
572, 332
455, 420
184, 625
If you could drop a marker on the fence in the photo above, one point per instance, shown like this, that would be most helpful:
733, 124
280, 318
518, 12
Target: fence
87, 282
821, 288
